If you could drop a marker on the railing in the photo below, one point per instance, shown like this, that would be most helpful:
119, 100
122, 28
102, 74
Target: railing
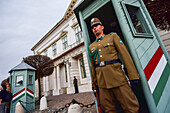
60, 110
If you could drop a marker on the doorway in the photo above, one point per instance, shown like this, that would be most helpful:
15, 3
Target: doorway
109, 19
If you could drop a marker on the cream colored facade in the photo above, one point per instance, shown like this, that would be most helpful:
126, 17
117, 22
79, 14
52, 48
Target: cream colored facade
62, 45
68, 61
165, 36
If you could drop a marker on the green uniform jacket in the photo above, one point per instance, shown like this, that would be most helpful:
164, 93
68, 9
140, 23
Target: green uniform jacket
112, 75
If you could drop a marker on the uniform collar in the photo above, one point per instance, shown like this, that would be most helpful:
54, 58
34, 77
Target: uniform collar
97, 39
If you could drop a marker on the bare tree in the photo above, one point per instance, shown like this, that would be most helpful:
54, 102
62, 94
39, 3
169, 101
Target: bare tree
44, 66
160, 12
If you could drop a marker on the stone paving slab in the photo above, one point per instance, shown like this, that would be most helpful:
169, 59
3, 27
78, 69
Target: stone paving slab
59, 101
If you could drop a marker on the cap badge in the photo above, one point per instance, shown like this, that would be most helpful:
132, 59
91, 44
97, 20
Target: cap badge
92, 20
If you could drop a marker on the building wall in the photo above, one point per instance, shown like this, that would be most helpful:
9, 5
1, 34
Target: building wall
50, 82
165, 36
56, 84
36, 88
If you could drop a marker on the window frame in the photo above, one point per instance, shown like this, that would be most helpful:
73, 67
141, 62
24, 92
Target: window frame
54, 49
17, 82
78, 33
65, 42
148, 33
83, 74
29, 80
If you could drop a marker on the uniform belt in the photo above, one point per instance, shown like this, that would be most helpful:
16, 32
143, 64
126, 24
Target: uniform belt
103, 63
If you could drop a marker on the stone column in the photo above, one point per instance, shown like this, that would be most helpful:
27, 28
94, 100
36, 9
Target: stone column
44, 85
55, 77
68, 74
58, 79
47, 83
55, 81
36, 88
46, 79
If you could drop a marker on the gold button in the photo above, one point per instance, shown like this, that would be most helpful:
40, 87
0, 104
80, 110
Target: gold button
99, 49
108, 44
99, 44
100, 55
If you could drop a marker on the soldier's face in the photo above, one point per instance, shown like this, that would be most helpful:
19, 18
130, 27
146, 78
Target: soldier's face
97, 29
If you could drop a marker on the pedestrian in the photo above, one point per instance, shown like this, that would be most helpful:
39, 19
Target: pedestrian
8, 89
107, 72
75, 85
1, 88
3, 93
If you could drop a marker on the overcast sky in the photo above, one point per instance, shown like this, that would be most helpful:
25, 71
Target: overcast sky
22, 24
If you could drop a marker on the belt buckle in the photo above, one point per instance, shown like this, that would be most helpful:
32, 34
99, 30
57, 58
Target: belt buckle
102, 63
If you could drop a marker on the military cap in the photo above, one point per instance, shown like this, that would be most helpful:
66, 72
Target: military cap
95, 21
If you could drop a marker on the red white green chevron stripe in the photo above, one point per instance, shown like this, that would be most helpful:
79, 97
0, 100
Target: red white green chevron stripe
157, 72
21, 93
30, 93
18, 95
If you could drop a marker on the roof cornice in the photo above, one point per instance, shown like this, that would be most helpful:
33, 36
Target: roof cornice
68, 13
70, 50
54, 28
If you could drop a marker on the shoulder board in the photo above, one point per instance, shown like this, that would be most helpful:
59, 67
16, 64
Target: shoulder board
111, 33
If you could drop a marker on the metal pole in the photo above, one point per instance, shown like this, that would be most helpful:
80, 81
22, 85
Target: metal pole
155, 31
128, 38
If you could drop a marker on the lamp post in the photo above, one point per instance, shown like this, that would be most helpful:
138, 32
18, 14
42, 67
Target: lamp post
65, 61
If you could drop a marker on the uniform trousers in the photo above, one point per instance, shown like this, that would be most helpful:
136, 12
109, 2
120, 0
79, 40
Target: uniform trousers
123, 94
2, 107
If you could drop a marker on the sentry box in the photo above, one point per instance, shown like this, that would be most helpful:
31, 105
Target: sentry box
132, 22
22, 80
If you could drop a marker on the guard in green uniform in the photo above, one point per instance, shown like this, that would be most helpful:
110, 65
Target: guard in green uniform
107, 71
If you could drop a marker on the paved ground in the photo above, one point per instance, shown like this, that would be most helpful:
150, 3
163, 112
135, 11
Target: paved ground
57, 102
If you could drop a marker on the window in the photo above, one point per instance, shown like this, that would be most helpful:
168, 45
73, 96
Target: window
136, 20
78, 34
19, 80
30, 79
82, 68
64, 40
66, 72
54, 49
45, 52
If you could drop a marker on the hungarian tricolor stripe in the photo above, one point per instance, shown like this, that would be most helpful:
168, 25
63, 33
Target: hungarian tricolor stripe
21, 93
157, 72
30, 93
18, 95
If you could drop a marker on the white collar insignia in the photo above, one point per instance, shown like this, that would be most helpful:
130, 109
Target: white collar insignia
92, 48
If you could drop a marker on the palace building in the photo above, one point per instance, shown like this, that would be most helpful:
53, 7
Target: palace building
65, 45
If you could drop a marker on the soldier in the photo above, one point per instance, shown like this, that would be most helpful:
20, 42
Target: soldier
75, 85
107, 72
